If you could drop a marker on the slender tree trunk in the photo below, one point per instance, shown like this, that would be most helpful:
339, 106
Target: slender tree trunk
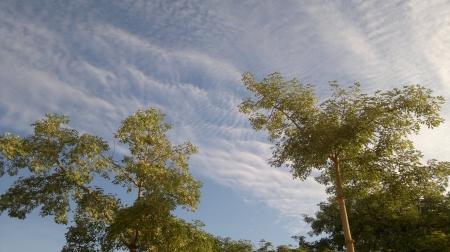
136, 233
342, 209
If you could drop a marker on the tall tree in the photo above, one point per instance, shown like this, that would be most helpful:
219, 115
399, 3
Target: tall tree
351, 136
63, 165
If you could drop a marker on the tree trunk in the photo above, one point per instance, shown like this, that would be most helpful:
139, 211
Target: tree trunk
340, 199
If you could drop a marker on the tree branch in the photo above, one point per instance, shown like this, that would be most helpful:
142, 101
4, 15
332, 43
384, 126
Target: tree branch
90, 193
132, 180
289, 117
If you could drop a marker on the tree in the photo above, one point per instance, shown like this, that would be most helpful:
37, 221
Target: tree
351, 136
229, 245
379, 225
266, 246
64, 167
322, 245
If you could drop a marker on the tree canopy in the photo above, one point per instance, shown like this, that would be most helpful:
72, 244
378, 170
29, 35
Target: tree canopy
64, 164
351, 138
381, 225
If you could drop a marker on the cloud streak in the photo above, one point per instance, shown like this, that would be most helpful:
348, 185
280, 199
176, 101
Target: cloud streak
100, 63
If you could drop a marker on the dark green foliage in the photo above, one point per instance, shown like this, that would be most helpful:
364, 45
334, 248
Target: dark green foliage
378, 226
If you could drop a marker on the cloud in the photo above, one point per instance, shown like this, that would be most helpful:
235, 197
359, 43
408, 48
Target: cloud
99, 64
242, 166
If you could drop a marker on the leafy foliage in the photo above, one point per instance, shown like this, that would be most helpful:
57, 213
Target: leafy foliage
229, 245
63, 165
352, 138
379, 225
359, 128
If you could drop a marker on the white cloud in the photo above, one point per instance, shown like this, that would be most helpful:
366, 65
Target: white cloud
242, 166
188, 58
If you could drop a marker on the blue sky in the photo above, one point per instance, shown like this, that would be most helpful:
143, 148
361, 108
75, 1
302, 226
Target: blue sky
100, 61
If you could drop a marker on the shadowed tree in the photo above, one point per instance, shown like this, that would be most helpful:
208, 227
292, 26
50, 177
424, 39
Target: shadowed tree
378, 224
351, 136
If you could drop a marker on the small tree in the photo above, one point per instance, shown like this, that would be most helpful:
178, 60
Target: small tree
229, 245
63, 165
351, 136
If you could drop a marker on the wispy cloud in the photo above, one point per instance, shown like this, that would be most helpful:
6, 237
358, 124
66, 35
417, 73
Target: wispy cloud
100, 63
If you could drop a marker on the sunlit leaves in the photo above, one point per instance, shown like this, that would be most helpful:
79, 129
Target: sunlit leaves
357, 141
63, 165
357, 126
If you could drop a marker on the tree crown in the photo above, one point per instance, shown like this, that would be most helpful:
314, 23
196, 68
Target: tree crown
351, 126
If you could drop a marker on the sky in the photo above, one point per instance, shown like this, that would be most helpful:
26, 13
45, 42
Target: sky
100, 61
